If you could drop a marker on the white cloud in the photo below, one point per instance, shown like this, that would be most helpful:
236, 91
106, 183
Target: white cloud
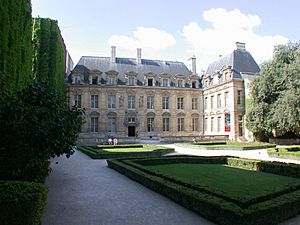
151, 40
227, 28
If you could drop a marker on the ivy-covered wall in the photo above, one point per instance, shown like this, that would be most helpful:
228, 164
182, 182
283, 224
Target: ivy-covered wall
15, 45
48, 53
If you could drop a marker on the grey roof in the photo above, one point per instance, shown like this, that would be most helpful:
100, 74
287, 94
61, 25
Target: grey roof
241, 61
124, 65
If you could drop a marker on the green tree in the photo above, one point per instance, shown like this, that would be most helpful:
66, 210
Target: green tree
49, 53
36, 124
276, 94
15, 45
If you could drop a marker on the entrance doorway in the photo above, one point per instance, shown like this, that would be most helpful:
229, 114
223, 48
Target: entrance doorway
131, 131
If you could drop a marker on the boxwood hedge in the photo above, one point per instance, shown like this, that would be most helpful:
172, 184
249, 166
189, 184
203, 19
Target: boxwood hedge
268, 210
22, 203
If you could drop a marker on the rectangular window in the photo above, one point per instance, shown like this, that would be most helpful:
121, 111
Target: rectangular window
212, 102
150, 82
150, 102
77, 80
226, 98
239, 97
131, 81
212, 124
227, 122
111, 124
194, 103
205, 103
150, 124
131, 102
165, 82
77, 101
194, 84
219, 123
111, 102
111, 81
94, 124
131, 119
95, 80
166, 124
180, 83
94, 101
180, 124
195, 124
205, 124
219, 100
180, 103
165, 102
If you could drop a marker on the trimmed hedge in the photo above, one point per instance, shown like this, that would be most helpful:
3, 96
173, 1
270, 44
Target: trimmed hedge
210, 143
271, 210
94, 151
120, 146
22, 203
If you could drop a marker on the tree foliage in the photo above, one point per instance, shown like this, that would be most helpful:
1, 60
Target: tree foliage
276, 94
15, 45
48, 53
36, 124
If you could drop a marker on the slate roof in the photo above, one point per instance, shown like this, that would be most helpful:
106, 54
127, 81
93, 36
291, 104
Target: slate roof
241, 61
124, 65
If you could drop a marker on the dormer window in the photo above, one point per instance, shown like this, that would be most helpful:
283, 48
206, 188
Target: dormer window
77, 80
111, 80
194, 84
165, 82
180, 83
95, 80
150, 81
131, 81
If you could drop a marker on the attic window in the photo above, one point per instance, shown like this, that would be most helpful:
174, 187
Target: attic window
194, 84
150, 82
77, 80
95, 80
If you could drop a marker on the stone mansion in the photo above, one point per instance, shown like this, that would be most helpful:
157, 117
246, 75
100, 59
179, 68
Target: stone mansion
135, 99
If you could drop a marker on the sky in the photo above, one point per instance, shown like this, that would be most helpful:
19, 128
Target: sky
173, 29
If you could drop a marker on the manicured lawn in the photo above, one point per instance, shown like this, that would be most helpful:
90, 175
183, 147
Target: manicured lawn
228, 145
236, 183
131, 150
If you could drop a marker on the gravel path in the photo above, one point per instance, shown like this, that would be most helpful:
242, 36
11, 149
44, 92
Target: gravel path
83, 191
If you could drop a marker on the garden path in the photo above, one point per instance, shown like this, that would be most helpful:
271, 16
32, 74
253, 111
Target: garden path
83, 191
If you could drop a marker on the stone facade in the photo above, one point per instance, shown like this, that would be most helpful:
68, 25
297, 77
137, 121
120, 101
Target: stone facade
137, 99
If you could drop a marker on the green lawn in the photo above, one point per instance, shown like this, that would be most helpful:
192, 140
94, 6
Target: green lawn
228, 145
235, 183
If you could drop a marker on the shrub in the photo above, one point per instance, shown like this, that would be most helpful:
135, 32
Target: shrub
21, 203
36, 124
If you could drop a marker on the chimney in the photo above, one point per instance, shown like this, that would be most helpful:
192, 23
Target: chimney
240, 46
193, 64
139, 56
113, 54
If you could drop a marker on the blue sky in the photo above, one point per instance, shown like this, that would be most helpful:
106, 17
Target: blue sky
173, 30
